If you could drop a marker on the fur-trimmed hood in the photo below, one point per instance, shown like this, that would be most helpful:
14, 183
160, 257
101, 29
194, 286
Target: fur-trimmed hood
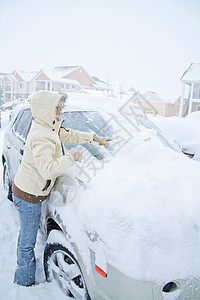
43, 106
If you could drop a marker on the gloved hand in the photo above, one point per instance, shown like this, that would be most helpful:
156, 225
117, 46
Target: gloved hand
101, 140
77, 155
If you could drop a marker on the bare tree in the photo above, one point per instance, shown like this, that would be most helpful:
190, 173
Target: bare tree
108, 85
121, 89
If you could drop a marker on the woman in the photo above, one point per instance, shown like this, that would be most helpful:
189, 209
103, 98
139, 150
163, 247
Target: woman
41, 164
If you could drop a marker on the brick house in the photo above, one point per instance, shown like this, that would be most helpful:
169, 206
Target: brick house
76, 73
15, 86
52, 81
20, 84
79, 74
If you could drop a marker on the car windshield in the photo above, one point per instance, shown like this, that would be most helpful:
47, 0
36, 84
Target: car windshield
105, 125
88, 121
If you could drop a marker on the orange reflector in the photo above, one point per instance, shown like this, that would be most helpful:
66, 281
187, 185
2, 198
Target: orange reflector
100, 271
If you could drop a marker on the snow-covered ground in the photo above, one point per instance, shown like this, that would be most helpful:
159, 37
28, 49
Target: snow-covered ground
9, 227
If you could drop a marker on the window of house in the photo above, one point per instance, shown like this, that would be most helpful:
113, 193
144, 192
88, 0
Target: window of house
21, 85
40, 85
7, 87
196, 93
198, 107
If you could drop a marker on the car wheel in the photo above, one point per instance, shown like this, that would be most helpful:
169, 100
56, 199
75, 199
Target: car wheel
61, 265
6, 182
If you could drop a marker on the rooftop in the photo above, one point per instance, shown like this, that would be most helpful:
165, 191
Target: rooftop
25, 75
192, 74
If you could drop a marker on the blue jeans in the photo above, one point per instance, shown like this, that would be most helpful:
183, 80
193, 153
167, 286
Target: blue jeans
29, 218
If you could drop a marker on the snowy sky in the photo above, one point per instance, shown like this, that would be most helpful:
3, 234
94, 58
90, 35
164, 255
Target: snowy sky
147, 44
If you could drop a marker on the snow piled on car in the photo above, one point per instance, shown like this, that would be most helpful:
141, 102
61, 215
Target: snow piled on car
144, 205
140, 211
184, 130
181, 129
143, 208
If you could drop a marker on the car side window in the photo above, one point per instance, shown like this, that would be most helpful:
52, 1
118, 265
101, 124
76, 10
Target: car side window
22, 124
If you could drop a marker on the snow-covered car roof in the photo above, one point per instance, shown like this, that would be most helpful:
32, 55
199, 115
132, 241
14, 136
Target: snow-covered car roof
79, 101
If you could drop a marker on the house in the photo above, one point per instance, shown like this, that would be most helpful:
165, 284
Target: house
190, 96
15, 86
1, 77
99, 84
51, 80
20, 84
79, 74
152, 103
1, 90
76, 73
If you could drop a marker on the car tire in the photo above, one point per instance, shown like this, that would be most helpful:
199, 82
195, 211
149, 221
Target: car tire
7, 182
61, 265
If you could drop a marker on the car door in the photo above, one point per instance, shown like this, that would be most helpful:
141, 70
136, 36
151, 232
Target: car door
17, 139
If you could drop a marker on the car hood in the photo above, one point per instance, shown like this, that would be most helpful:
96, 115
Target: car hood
144, 205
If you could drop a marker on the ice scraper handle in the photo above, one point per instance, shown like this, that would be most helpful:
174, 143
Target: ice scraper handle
101, 140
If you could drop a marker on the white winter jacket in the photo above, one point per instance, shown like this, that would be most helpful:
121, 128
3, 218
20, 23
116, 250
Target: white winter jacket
43, 160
